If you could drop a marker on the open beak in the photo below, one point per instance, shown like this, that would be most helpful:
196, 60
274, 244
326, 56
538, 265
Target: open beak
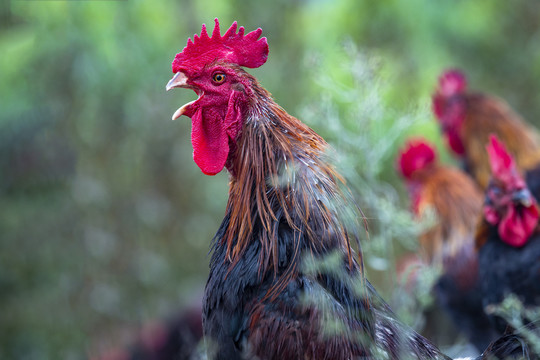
179, 80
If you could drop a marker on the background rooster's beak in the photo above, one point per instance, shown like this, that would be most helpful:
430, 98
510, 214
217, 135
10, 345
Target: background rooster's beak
178, 80
523, 197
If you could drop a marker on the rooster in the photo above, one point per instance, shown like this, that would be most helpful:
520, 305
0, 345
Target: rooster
285, 209
508, 237
467, 119
448, 244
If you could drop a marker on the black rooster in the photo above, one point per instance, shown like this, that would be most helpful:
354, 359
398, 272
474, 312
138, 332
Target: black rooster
508, 238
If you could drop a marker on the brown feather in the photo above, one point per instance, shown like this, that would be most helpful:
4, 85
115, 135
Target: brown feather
482, 233
456, 202
291, 171
489, 115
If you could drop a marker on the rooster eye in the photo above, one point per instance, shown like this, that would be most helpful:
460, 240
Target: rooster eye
218, 78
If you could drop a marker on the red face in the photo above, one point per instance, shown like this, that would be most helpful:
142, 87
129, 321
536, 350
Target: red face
509, 204
217, 115
211, 67
513, 211
449, 106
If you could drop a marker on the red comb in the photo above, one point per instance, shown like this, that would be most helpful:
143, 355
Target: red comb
416, 155
244, 50
502, 163
452, 82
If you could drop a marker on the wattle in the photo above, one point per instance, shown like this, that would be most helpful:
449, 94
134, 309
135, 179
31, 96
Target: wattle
209, 140
517, 226
455, 143
438, 106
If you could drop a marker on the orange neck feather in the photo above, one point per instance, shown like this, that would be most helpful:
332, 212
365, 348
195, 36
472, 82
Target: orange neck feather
279, 166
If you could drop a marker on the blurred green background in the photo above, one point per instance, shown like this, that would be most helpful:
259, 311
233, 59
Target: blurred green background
105, 220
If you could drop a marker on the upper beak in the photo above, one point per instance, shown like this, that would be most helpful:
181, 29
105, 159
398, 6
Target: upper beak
178, 80
523, 197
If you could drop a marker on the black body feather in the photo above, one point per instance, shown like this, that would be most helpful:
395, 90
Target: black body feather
505, 270
295, 319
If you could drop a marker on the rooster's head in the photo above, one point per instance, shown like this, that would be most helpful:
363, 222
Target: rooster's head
449, 107
417, 154
211, 66
509, 204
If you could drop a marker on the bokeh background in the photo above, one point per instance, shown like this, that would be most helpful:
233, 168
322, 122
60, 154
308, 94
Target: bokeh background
105, 221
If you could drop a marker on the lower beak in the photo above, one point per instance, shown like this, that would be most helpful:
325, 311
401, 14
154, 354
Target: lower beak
178, 80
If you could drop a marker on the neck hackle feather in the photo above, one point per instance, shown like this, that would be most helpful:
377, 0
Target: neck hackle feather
279, 172
281, 176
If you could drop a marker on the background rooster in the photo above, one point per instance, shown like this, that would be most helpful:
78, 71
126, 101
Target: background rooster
508, 237
455, 201
468, 118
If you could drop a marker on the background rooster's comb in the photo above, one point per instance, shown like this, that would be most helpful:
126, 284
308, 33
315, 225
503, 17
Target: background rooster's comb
502, 163
415, 155
244, 50
452, 82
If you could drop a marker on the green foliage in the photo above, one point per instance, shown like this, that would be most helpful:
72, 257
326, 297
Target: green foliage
105, 219
517, 316
360, 121
364, 128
